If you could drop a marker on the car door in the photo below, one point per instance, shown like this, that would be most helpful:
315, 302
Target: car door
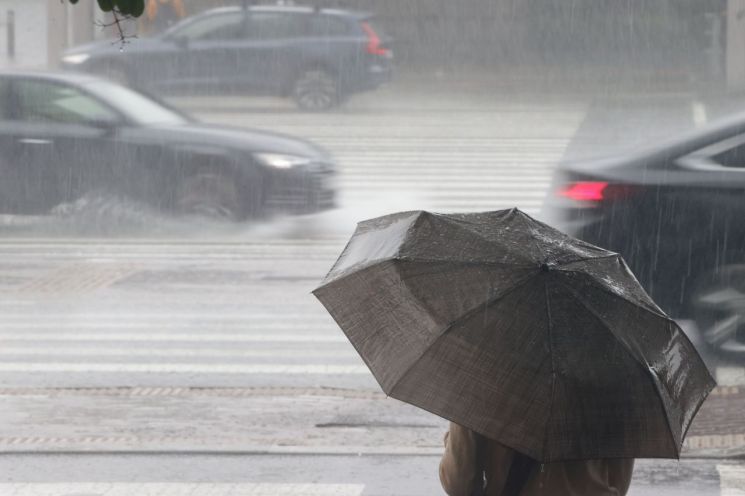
20, 163
204, 53
715, 192
61, 143
274, 49
32, 171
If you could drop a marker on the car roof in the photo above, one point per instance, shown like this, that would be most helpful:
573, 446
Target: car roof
662, 151
295, 9
59, 76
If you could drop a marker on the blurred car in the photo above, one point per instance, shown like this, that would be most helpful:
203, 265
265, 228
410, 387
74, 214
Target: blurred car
675, 213
317, 56
65, 135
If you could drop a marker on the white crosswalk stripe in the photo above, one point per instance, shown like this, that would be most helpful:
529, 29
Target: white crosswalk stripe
731, 479
177, 489
499, 156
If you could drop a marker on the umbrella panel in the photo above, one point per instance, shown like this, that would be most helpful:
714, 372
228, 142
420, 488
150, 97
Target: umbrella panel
491, 372
602, 390
532, 383
392, 311
680, 376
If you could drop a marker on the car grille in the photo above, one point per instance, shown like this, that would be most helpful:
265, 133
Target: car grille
304, 193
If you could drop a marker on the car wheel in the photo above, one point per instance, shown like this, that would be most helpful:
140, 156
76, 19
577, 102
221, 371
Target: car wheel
719, 310
211, 194
316, 90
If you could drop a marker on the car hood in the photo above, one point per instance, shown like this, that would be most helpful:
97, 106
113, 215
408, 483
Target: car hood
112, 46
205, 137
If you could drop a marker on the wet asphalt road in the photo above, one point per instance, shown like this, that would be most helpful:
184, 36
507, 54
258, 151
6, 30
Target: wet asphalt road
118, 345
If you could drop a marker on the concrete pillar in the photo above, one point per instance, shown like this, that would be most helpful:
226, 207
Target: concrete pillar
735, 58
81, 23
56, 31
67, 26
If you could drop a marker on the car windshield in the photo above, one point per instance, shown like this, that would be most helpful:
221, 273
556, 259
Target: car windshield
136, 106
219, 26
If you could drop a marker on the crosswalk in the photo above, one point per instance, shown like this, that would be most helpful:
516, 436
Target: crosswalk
172, 309
178, 489
491, 157
169, 311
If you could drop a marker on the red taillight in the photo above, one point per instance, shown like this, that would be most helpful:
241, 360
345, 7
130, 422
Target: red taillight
596, 191
373, 40
585, 191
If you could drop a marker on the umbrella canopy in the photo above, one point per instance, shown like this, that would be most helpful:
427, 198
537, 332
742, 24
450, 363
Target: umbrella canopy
503, 324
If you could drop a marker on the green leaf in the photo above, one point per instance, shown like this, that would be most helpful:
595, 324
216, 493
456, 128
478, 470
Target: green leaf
124, 6
138, 7
106, 5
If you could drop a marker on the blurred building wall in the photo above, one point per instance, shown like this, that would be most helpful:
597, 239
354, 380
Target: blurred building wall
67, 26
736, 44
27, 45
643, 40
684, 41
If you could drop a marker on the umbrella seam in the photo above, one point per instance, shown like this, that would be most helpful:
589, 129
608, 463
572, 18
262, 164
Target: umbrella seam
641, 305
563, 234
353, 237
662, 316
449, 327
458, 222
553, 373
585, 259
644, 365
528, 227
464, 262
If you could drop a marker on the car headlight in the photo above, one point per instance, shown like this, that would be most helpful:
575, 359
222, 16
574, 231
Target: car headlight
77, 58
281, 161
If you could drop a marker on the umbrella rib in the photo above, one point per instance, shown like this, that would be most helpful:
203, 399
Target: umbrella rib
532, 239
585, 259
553, 372
455, 261
520, 283
458, 223
644, 365
627, 300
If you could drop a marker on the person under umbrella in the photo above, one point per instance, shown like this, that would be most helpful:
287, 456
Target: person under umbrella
474, 465
543, 344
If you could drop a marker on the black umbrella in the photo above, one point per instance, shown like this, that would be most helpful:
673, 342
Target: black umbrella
528, 336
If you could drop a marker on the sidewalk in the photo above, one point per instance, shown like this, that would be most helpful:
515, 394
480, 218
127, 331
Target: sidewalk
270, 421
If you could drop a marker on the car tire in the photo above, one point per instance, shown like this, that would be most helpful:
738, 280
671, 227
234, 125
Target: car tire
212, 194
718, 303
316, 90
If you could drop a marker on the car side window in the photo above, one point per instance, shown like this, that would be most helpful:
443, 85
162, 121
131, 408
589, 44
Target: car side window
4, 110
326, 25
209, 28
43, 101
275, 25
733, 157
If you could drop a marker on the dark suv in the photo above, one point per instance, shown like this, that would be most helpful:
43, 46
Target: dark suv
316, 56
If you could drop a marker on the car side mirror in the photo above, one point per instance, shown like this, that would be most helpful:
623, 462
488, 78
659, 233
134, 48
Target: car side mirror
106, 125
